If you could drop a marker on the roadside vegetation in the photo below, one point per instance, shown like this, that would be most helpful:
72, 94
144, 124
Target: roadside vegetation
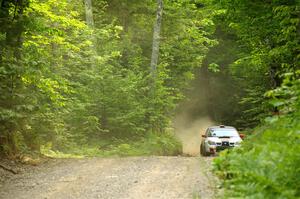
267, 165
162, 145
265, 68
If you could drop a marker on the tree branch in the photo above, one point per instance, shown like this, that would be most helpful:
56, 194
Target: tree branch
8, 169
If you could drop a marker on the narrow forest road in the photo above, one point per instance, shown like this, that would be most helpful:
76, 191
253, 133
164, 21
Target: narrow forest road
120, 178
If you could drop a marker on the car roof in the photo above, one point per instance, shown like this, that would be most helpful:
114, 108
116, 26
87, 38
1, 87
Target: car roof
221, 127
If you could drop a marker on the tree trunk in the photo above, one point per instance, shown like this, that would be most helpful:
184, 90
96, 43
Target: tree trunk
156, 38
89, 13
90, 22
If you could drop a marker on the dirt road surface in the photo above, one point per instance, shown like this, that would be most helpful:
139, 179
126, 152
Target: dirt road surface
116, 178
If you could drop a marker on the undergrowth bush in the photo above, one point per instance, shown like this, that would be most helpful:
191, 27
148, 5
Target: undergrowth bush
267, 165
152, 144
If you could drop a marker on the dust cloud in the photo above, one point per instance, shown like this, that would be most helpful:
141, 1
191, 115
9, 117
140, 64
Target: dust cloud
189, 133
192, 116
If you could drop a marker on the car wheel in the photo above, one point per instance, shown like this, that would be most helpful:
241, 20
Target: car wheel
203, 151
206, 153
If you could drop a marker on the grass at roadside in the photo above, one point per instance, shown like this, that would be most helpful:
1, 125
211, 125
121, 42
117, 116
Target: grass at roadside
267, 165
152, 144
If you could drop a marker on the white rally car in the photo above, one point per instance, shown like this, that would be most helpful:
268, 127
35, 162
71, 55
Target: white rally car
217, 138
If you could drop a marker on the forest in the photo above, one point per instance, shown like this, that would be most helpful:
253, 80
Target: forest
105, 77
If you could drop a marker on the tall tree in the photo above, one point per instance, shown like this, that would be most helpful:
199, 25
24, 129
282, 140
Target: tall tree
156, 37
89, 13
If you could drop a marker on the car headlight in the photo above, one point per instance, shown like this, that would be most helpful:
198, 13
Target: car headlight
211, 142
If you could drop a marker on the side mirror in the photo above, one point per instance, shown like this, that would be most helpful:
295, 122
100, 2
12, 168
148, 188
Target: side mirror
204, 136
242, 136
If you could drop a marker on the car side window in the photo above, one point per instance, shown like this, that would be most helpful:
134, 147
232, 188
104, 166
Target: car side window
208, 133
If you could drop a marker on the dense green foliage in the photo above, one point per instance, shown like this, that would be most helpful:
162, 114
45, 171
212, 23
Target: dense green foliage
266, 72
258, 48
65, 84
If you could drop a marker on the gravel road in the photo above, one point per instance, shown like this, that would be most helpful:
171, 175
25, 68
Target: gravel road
117, 178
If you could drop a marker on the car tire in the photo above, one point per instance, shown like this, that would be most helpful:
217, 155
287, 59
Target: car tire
206, 153
203, 152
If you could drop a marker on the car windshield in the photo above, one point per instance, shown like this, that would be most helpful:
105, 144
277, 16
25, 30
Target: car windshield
224, 133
